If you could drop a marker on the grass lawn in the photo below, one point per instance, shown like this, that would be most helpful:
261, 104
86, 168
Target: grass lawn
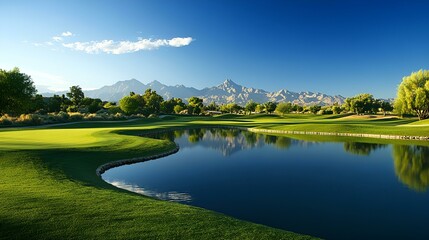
49, 188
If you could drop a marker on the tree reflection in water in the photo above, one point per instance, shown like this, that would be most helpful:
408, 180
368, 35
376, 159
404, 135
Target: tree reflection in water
411, 162
412, 166
195, 135
226, 140
360, 148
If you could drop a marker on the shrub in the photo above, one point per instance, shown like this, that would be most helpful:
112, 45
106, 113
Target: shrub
6, 120
93, 117
119, 116
115, 110
75, 116
63, 116
29, 119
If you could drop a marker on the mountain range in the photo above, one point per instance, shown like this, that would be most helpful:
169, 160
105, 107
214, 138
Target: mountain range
227, 92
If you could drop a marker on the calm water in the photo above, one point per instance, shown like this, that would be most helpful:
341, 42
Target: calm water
331, 190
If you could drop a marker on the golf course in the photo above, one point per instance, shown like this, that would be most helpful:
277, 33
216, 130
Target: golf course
50, 189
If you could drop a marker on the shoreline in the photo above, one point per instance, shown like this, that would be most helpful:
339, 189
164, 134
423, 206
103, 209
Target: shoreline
103, 168
362, 135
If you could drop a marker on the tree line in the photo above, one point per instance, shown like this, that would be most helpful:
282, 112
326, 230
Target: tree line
18, 95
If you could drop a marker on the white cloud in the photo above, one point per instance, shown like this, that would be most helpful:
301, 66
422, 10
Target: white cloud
62, 36
57, 38
121, 47
178, 42
67, 34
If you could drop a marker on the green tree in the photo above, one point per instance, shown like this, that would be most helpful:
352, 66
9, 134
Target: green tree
269, 107
76, 95
108, 105
361, 103
413, 94
230, 108
167, 106
212, 107
178, 108
65, 103
38, 104
195, 101
129, 104
152, 102
297, 108
195, 105
250, 106
315, 108
16, 91
336, 109
283, 108
385, 106
259, 108
53, 104
94, 105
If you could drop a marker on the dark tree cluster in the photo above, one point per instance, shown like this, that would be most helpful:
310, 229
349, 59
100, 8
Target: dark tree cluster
16, 92
18, 96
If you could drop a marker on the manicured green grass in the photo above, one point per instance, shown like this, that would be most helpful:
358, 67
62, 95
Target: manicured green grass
389, 126
49, 188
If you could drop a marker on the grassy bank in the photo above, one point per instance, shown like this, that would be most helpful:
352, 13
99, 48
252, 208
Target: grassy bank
49, 188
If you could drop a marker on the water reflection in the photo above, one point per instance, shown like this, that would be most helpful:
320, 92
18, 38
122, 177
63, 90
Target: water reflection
321, 188
227, 141
411, 162
412, 166
169, 196
360, 148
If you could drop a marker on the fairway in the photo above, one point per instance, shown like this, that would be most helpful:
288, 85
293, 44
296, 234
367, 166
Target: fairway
50, 189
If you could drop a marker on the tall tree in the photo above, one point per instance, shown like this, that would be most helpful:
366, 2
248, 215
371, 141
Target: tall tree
385, 106
152, 101
167, 106
129, 104
413, 94
250, 106
16, 90
361, 103
231, 108
195, 105
76, 95
269, 107
315, 108
212, 107
283, 108
37, 103
54, 103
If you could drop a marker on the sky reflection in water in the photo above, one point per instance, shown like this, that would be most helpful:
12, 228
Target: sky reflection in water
349, 190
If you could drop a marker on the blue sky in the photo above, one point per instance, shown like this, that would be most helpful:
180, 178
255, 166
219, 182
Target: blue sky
335, 47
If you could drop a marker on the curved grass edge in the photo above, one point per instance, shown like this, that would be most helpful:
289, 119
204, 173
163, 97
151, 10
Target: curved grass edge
103, 168
63, 206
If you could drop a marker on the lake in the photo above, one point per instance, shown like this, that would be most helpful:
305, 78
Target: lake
332, 190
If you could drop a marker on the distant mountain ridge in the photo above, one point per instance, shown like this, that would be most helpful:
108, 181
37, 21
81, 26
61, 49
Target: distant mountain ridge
227, 92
